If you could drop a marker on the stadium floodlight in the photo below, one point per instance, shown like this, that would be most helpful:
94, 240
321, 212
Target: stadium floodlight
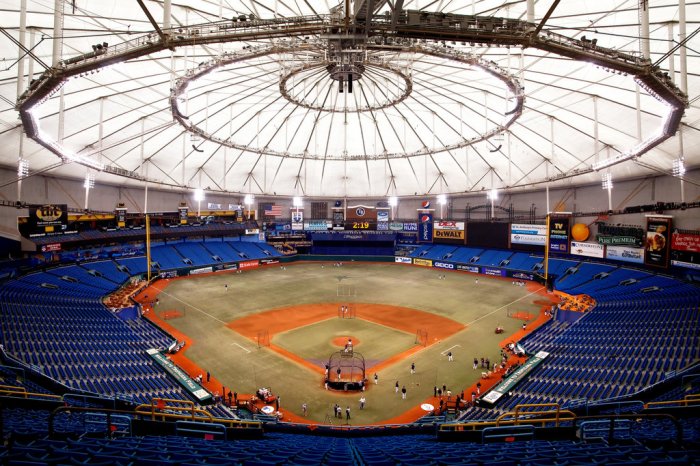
493, 194
199, 194
441, 199
22, 168
607, 181
297, 202
393, 201
89, 182
678, 168
248, 200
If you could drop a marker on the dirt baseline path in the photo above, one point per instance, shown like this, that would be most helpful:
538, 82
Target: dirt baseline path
291, 317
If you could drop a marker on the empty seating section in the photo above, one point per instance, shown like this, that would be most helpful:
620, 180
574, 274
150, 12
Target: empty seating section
559, 266
493, 257
167, 257
465, 255
420, 251
306, 449
108, 270
55, 321
248, 250
50, 282
523, 261
643, 327
268, 250
195, 252
135, 265
84, 346
578, 281
83, 277
629, 341
223, 250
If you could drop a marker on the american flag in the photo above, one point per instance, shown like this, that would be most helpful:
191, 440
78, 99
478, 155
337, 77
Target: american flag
272, 210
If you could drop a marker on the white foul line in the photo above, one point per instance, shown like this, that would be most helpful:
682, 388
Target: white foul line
453, 346
192, 306
244, 349
505, 305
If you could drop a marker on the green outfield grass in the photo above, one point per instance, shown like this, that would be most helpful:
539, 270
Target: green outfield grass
238, 362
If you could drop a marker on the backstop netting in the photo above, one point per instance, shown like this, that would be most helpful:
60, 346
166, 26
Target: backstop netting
421, 337
346, 290
346, 371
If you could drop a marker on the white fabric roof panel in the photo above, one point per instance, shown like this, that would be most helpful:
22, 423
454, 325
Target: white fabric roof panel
313, 140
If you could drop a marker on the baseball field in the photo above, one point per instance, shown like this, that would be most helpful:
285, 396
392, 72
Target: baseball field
276, 327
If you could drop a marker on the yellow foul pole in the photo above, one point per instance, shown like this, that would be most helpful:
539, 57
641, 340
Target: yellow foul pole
546, 253
148, 249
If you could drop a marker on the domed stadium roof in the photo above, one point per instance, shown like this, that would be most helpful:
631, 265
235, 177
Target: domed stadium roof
368, 98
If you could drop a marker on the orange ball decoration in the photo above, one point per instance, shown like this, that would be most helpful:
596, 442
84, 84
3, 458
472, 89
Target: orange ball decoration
580, 232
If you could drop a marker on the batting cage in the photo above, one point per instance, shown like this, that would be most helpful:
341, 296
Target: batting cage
346, 371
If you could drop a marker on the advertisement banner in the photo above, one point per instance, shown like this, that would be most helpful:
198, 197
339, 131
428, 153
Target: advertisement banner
525, 233
248, 264
516, 377
448, 234
269, 261
361, 213
493, 272
382, 226
51, 247
49, 218
182, 214
443, 265
425, 227
521, 275
468, 268
620, 235
178, 374
382, 215
685, 250
410, 226
617, 240
448, 225
317, 225
202, 270
423, 262
449, 230
402, 260
685, 242
214, 206
338, 220
588, 249
625, 254
658, 241
686, 264
396, 226
120, 214
559, 233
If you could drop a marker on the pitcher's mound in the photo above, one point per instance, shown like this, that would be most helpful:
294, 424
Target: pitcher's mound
342, 341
